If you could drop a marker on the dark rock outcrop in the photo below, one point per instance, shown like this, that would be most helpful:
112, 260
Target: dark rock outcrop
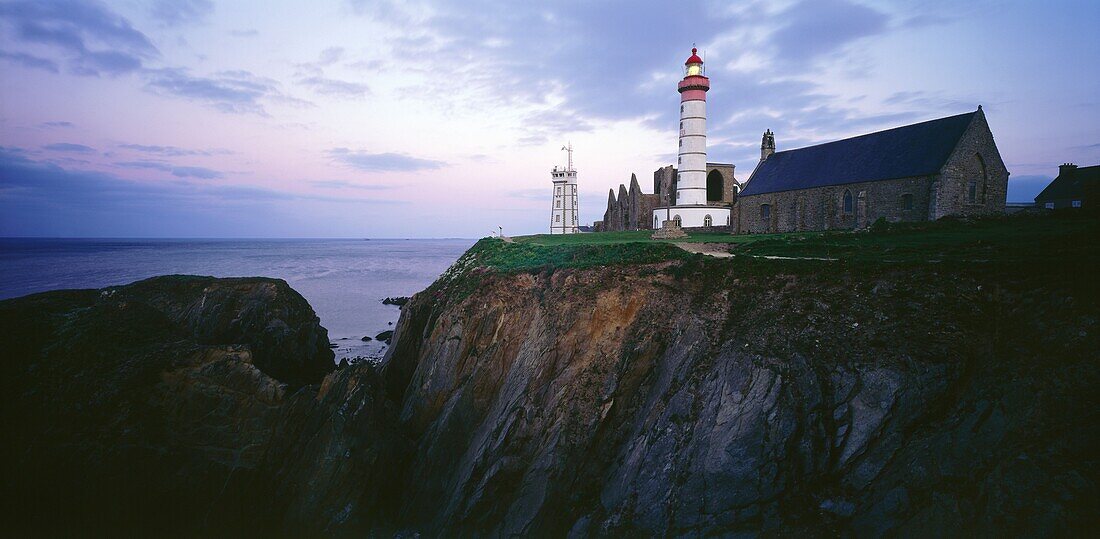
384, 336
147, 408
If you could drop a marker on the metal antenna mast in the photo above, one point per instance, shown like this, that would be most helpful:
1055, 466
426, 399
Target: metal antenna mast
569, 148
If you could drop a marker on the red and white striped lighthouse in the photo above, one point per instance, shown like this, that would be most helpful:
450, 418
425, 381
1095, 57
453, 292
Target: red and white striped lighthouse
692, 209
691, 165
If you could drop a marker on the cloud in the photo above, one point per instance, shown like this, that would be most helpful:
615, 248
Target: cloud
52, 125
42, 198
92, 39
181, 12
341, 184
178, 171
69, 147
152, 165
335, 87
196, 172
30, 61
383, 162
171, 151
819, 27
227, 91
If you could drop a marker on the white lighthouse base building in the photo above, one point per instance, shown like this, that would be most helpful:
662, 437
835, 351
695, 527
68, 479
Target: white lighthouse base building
692, 216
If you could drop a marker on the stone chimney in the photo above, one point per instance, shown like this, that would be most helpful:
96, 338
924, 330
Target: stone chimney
1066, 169
767, 145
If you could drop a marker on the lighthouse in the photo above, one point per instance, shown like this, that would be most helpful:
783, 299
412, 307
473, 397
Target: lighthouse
563, 214
692, 209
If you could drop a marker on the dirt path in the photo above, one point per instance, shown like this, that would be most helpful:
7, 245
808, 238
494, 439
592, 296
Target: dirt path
721, 250
717, 250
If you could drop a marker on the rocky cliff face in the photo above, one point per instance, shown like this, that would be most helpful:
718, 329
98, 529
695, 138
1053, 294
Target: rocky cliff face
147, 408
691, 397
712, 398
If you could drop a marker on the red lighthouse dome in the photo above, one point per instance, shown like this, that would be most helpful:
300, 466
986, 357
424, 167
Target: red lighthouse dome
695, 59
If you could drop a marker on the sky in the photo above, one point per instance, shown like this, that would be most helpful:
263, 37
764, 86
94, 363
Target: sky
361, 118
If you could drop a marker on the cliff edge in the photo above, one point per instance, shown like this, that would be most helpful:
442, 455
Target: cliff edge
934, 386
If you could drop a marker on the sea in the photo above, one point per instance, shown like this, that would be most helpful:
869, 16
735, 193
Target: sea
344, 280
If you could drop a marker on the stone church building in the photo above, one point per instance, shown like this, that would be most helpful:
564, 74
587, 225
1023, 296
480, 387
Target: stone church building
631, 208
918, 172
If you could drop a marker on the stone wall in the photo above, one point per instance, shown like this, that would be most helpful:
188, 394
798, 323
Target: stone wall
975, 159
664, 184
822, 208
630, 210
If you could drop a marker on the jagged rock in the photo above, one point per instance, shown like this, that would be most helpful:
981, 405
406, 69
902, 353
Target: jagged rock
366, 339
147, 408
399, 301
384, 336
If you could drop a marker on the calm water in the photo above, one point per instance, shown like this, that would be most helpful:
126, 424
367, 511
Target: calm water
344, 280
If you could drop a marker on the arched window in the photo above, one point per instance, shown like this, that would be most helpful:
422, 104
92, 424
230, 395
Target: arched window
715, 183
847, 202
656, 225
676, 219
933, 196
708, 221
980, 183
765, 211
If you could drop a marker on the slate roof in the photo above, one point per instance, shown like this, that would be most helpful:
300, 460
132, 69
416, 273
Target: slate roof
1071, 186
912, 150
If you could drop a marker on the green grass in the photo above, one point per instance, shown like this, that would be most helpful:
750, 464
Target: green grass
1011, 240
643, 236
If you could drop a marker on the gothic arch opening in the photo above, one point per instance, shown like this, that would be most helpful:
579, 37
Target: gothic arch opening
982, 180
715, 183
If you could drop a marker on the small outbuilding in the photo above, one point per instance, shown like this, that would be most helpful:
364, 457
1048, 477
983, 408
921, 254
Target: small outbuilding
1075, 187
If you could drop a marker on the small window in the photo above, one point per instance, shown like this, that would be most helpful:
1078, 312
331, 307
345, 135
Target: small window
557, 203
765, 211
655, 223
907, 202
708, 221
557, 218
677, 220
847, 202
557, 190
681, 108
1049, 205
972, 192
1076, 203
681, 143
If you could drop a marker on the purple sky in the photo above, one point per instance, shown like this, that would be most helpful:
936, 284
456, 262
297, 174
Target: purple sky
357, 118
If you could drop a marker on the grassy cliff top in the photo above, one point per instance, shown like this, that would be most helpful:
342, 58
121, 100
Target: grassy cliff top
1020, 239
